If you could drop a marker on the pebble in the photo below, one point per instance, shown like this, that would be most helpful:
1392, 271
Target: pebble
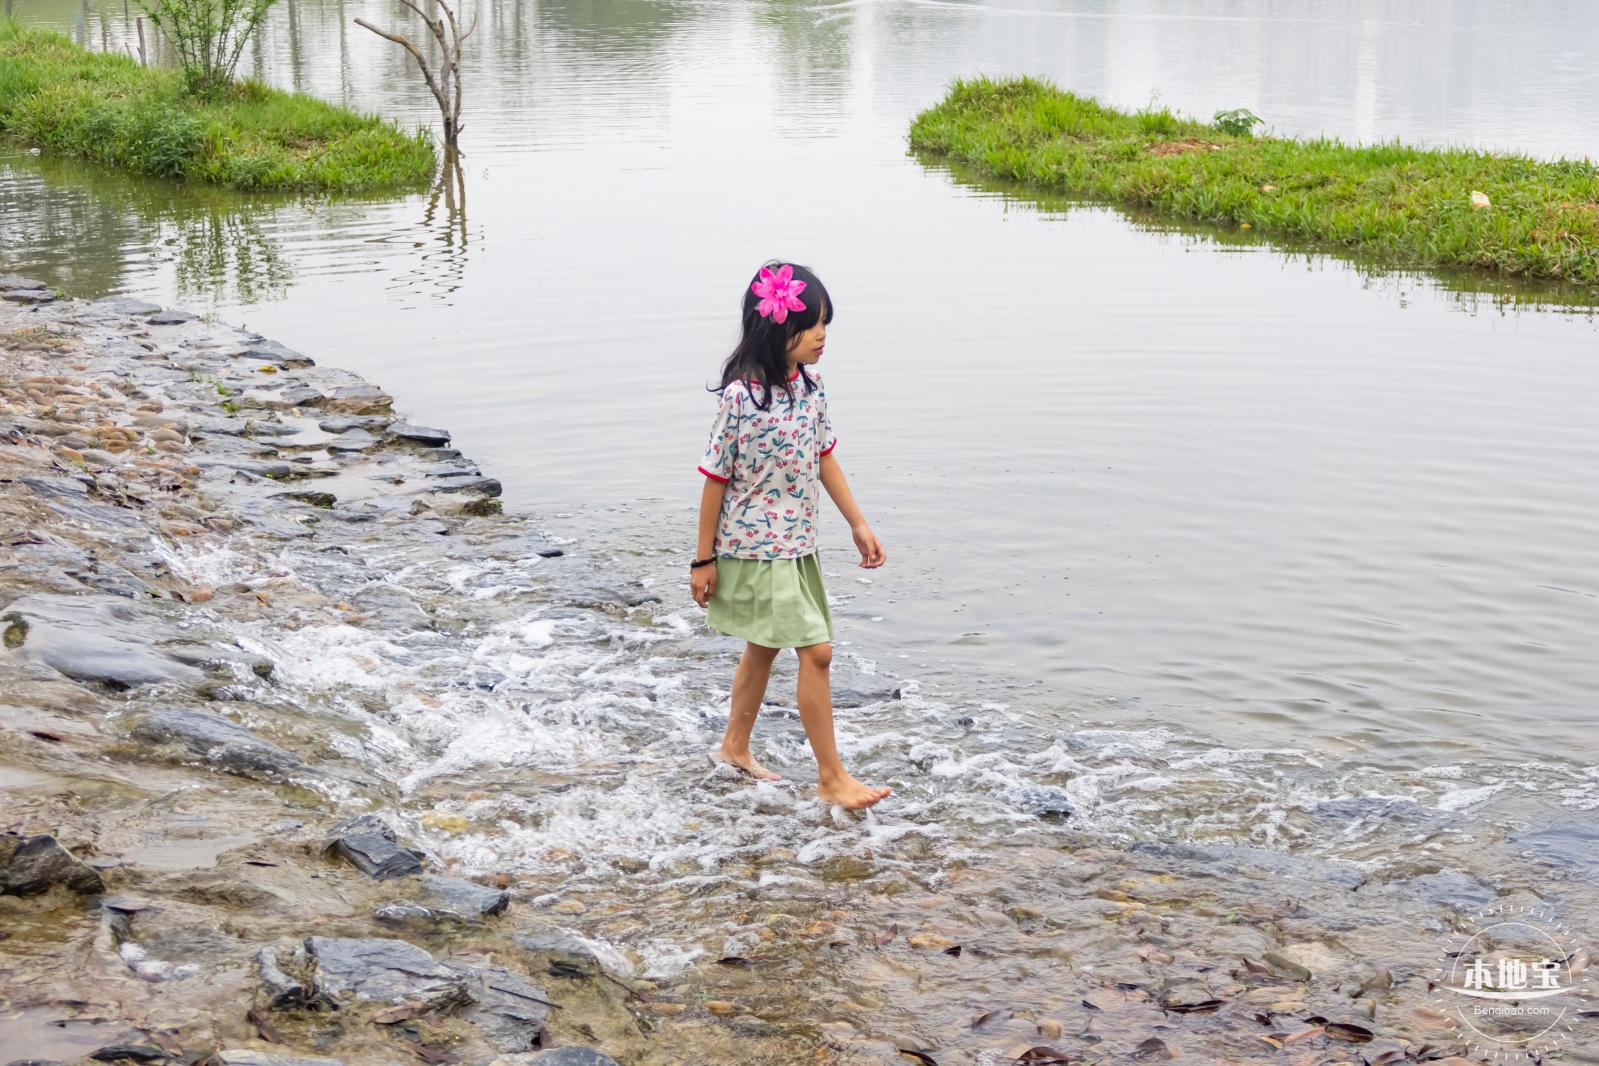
720, 1006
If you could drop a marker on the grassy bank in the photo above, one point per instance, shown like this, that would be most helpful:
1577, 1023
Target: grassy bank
59, 98
1402, 206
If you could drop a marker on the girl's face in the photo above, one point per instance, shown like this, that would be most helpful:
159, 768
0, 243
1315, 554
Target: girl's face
806, 347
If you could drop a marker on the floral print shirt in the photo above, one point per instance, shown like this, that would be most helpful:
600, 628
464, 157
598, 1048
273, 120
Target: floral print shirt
771, 462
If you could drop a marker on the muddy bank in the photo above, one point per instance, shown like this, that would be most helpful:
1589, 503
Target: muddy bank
308, 752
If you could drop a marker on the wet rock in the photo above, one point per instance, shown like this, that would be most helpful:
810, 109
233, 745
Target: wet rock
571, 1055
1450, 888
1572, 847
564, 954
508, 1009
269, 351
32, 864
1231, 859
94, 638
384, 971
1045, 802
451, 469
468, 899
170, 318
246, 1057
310, 496
355, 440
487, 486
131, 1053
258, 468
1357, 808
420, 434
224, 744
597, 594
68, 487
95, 514
391, 607
346, 423
28, 296
284, 398
359, 399
10, 282
370, 846
125, 305
279, 990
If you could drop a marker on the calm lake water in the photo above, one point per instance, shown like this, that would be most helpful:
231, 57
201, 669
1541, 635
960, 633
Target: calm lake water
1125, 474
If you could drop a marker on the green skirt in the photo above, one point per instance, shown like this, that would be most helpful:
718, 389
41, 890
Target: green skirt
776, 603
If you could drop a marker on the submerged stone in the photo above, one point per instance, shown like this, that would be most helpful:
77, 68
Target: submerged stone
170, 318
564, 954
382, 970
224, 743
508, 1009
246, 1057
28, 296
125, 305
8, 282
94, 638
33, 864
572, 1055
1450, 888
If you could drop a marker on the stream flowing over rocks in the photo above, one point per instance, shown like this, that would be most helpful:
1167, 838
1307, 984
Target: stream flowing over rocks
310, 755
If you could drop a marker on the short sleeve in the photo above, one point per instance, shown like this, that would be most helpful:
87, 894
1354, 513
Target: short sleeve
825, 439
722, 447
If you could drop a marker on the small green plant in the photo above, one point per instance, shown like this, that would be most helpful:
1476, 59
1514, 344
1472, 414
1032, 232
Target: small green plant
208, 35
230, 407
1240, 121
223, 390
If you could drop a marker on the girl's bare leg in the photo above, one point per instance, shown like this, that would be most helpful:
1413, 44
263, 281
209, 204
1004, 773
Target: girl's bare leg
749, 687
815, 699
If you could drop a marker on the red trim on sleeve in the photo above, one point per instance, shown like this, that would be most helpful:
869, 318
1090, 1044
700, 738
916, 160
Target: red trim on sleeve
830, 447
718, 477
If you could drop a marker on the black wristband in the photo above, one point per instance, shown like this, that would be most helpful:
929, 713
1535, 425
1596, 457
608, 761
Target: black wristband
701, 562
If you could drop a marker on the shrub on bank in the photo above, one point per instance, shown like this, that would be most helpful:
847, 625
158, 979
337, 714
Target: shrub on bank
1400, 205
57, 97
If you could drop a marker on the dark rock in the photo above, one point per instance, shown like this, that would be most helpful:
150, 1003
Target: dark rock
170, 318
1041, 801
508, 1009
345, 423
371, 847
1572, 847
1449, 888
125, 305
571, 1055
550, 553
383, 970
281, 991
598, 594
223, 743
452, 469
481, 506
132, 1053
487, 486
563, 954
355, 440
312, 497
30, 865
94, 638
8, 282
28, 296
68, 487
441, 454
466, 899
273, 352
421, 434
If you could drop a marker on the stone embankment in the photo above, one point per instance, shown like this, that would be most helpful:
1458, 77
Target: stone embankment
158, 823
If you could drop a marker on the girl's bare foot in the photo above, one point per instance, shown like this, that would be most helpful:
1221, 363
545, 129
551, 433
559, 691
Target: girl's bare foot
747, 763
851, 794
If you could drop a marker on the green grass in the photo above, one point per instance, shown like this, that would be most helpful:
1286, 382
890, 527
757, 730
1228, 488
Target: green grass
61, 99
1401, 206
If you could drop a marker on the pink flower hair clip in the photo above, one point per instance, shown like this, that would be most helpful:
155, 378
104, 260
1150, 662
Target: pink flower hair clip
779, 293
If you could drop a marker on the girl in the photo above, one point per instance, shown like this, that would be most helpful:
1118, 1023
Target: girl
757, 570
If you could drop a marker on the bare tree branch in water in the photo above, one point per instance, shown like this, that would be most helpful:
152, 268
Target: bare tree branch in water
445, 80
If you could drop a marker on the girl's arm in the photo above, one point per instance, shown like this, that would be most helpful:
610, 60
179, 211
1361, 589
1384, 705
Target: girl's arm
871, 549
710, 512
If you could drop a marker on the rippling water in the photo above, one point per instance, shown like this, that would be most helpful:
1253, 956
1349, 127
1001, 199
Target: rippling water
1212, 537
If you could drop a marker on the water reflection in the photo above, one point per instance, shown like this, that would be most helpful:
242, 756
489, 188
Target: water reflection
440, 264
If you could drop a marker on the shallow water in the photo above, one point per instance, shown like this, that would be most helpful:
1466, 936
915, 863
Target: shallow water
1217, 544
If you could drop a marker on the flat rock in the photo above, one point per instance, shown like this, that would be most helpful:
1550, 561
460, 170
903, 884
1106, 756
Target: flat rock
384, 971
92, 638
9, 282
28, 296
370, 846
483, 486
421, 434
269, 351
571, 1055
355, 440
221, 742
32, 864
283, 398
359, 399
508, 1009
46, 485
1450, 888
467, 899
246, 1057
259, 467
170, 318
125, 305
345, 423
564, 954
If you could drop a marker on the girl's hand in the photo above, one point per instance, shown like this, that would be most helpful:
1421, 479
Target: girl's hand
871, 549
702, 580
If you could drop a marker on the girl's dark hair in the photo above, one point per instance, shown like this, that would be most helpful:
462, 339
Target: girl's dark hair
762, 352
